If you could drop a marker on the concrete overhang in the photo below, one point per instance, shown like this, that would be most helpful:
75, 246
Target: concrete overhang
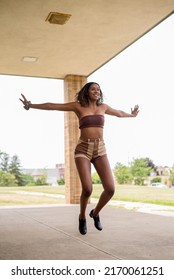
95, 32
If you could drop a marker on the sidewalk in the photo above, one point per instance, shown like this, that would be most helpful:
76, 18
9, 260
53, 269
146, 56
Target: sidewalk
40, 233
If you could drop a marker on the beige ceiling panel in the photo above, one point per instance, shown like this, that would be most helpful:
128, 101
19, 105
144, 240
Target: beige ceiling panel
96, 31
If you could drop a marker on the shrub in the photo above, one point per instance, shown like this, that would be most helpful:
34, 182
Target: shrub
156, 180
7, 179
61, 181
96, 178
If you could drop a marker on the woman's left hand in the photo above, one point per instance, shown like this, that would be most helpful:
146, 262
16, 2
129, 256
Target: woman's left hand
135, 111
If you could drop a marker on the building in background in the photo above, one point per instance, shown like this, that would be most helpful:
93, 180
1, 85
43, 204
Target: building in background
52, 174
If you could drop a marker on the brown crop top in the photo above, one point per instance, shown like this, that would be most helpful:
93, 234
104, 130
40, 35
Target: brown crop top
91, 121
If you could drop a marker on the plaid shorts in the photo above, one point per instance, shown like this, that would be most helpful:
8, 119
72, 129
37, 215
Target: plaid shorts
90, 149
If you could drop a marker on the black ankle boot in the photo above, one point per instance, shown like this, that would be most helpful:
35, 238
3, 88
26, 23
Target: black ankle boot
97, 222
82, 226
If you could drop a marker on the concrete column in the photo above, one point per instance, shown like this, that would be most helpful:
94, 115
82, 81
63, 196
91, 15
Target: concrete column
72, 84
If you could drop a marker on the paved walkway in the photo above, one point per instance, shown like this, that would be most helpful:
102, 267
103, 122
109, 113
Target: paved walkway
51, 233
145, 207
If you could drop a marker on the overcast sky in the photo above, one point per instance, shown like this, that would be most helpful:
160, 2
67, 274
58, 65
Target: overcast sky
142, 74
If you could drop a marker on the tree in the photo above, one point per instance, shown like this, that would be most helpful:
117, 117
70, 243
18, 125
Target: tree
171, 177
4, 161
150, 164
140, 170
122, 174
96, 178
15, 169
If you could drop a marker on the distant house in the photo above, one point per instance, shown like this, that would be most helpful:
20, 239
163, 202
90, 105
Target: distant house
37, 174
163, 171
52, 174
61, 170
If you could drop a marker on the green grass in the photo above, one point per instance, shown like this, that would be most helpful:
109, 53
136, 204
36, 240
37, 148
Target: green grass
9, 195
164, 196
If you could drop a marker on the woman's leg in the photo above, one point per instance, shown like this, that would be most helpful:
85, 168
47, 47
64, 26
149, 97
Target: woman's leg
84, 169
103, 169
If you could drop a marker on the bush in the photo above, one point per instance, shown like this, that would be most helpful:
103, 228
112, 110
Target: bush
156, 180
41, 181
28, 180
61, 181
96, 178
139, 181
7, 179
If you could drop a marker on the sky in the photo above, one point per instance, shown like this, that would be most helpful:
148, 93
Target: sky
142, 74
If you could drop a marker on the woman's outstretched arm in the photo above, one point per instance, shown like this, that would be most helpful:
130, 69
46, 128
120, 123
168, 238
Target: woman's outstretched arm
122, 114
49, 106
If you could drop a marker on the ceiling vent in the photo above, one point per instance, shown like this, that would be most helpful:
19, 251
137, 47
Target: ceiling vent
58, 18
29, 59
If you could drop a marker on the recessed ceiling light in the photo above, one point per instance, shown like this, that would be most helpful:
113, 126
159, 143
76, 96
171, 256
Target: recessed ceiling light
30, 59
58, 18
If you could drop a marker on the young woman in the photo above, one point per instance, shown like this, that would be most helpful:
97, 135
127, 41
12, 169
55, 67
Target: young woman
90, 110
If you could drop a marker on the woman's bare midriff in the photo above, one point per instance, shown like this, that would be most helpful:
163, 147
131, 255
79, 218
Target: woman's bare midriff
91, 133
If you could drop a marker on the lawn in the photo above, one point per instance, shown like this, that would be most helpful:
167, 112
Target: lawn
143, 194
25, 196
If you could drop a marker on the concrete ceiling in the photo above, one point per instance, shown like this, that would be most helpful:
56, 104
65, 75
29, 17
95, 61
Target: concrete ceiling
96, 32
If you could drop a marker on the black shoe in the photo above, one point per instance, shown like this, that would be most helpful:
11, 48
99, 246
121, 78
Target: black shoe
82, 226
96, 220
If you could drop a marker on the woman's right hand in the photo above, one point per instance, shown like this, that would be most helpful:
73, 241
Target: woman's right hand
25, 102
